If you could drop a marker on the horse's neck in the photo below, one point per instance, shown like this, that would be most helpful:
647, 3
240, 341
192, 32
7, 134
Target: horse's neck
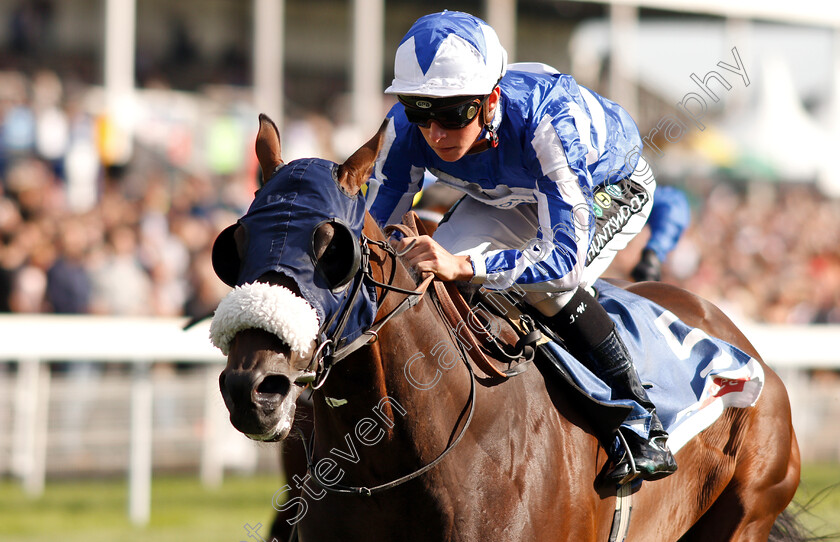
394, 388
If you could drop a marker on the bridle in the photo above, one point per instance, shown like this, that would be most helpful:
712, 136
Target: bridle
334, 349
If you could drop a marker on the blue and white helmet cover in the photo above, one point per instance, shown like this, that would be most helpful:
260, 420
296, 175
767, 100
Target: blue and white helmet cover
448, 54
279, 225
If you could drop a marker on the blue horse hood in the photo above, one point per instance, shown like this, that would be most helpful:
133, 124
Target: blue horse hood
279, 226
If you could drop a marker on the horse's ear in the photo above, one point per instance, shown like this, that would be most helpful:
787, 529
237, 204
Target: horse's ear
268, 147
354, 172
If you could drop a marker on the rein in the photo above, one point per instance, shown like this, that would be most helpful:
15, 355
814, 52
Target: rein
334, 349
309, 452
323, 360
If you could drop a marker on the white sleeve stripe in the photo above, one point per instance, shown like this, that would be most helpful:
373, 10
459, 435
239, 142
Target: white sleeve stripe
532, 67
545, 144
599, 119
584, 127
479, 266
552, 158
502, 280
404, 204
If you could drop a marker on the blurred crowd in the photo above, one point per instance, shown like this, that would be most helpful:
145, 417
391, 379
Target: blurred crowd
135, 239
81, 238
763, 252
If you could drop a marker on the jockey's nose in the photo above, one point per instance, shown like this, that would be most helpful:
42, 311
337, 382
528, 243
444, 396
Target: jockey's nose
436, 131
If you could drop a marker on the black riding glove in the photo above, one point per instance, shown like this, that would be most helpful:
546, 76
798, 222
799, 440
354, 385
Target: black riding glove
648, 268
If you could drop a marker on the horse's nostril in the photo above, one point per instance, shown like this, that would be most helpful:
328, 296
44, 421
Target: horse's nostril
274, 384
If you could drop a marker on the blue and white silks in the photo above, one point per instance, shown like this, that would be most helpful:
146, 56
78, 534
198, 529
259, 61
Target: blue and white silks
558, 141
694, 377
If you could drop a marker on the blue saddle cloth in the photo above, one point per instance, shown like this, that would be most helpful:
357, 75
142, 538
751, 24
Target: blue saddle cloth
691, 377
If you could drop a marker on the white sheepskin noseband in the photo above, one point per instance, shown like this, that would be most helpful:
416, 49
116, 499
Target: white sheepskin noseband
264, 306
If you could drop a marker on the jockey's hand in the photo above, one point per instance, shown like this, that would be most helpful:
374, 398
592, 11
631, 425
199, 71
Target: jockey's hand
428, 256
648, 268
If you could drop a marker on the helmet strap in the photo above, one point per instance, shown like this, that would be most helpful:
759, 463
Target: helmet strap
488, 117
491, 138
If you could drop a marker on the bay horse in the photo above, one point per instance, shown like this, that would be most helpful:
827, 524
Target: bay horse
463, 457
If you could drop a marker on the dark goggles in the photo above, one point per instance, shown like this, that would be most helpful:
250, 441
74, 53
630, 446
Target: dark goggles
450, 113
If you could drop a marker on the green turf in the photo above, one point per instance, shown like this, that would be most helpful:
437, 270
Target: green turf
96, 511
819, 493
184, 511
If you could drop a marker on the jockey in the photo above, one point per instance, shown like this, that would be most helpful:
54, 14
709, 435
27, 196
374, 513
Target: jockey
669, 217
541, 160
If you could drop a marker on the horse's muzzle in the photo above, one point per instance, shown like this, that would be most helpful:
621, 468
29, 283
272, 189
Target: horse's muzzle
255, 402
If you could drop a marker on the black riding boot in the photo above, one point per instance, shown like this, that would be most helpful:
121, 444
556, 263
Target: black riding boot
590, 336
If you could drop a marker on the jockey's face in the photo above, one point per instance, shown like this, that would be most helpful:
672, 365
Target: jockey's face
453, 144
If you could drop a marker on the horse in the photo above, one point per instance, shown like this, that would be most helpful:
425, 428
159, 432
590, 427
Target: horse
410, 444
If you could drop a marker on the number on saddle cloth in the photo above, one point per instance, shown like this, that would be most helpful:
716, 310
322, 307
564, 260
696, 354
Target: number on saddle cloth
689, 376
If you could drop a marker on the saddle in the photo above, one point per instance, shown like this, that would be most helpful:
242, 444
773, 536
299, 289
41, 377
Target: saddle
503, 339
499, 339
